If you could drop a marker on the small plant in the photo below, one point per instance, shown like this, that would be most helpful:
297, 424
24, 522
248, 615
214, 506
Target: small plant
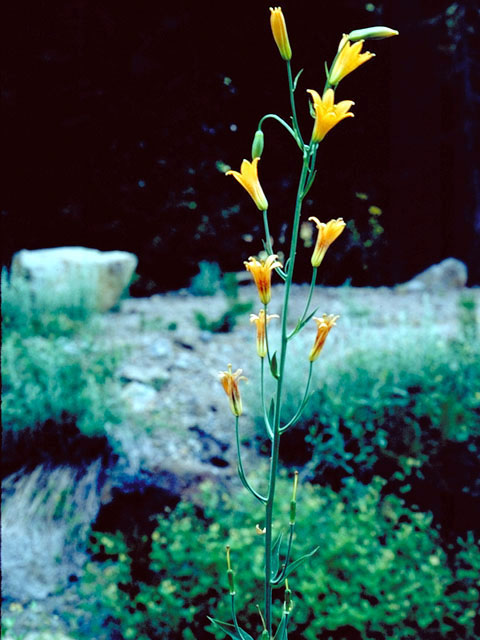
379, 572
228, 319
207, 281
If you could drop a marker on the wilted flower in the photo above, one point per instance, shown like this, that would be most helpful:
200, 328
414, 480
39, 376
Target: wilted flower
279, 30
248, 178
327, 233
229, 382
347, 60
262, 275
327, 113
262, 321
324, 324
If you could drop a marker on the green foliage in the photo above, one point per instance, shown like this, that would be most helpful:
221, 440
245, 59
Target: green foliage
226, 321
207, 281
50, 379
379, 571
401, 403
23, 314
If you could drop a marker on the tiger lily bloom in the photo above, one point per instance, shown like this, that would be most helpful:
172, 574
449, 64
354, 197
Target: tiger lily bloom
327, 113
327, 233
324, 324
279, 30
248, 178
348, 59
229, 382
261, 321
262, 275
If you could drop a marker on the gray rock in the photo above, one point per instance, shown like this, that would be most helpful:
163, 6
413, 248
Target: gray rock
139, 396
148, 373
448, 274
74, 276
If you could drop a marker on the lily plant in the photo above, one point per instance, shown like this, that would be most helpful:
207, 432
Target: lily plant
326, 114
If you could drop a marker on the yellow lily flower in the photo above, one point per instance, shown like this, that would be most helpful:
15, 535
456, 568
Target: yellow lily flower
324, 324
229, 382
327, 113
327, 233
262, 275
279, 30
248, 178
347, 60
261, 321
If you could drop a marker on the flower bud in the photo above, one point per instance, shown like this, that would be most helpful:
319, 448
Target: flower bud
372, 33
280, 35
231, 584
257, 145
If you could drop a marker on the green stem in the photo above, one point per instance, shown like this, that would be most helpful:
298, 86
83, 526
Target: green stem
234, 615
310, 293
299, 412
262, 386
268, 243
240, 469
280, 120
291, 91
283, 571
301, 322
278, 402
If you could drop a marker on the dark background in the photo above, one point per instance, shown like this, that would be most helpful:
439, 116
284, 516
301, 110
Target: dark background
119, 118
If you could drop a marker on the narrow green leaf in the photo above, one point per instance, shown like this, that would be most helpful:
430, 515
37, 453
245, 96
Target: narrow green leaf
302, 323
274, 366
230, 630
293, 565
271, 411
296, 79
310, 316
281, 632
309, 184
276, 553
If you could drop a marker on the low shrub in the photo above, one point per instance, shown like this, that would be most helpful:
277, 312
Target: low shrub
57, 380
379, 572
388, 412
23, 314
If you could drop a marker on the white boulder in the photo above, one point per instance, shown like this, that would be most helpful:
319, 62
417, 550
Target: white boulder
74, 276
446, 275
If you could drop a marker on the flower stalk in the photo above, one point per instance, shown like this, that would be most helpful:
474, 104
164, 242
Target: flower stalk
327, 115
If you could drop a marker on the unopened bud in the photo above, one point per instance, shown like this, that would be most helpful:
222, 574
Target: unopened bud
372, 33
293, 502
288, 598
279, 31
257, 145
231, 584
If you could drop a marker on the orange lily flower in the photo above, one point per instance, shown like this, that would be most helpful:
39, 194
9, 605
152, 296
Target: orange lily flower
229, 382
328, 114
262, 275
324, 324
261, 321
327, 233
347, 60
248, 178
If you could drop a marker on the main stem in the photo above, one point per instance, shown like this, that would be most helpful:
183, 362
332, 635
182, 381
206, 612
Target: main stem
278, 399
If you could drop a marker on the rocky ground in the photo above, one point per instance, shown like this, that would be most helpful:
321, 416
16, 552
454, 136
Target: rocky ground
179, 416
